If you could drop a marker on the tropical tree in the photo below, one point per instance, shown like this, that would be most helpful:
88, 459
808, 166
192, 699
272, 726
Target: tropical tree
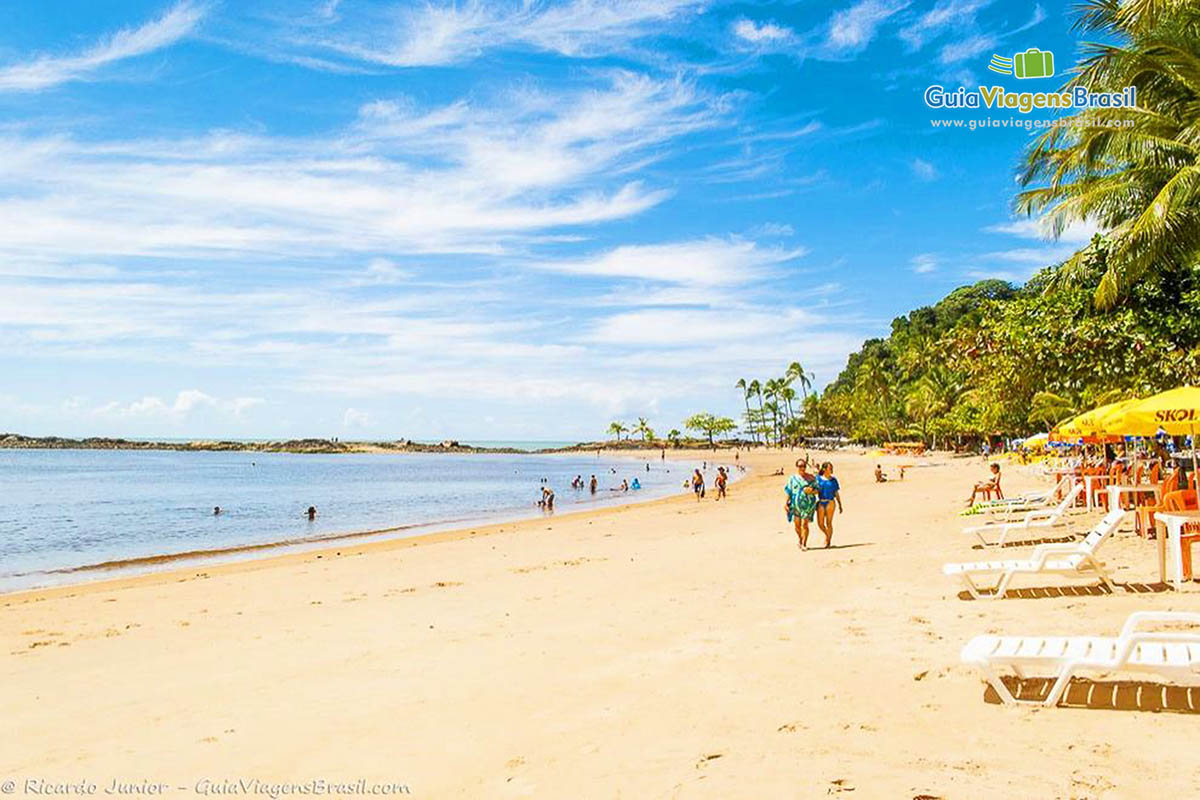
1134, 172
617, 428
755, 388
644, 430
795, 373
746, 393
673, 437
710, 425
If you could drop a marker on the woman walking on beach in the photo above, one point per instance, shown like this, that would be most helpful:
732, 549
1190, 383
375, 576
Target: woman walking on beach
698, 484
828, 493
801, 504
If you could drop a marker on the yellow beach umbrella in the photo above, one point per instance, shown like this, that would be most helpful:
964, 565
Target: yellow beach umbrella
1177, 412
1097, 421
1036, 441
1068, 429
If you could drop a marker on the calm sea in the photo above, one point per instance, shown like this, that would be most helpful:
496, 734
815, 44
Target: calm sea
64, 511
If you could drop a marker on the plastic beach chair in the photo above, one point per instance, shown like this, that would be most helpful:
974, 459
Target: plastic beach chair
1172, 656
1037, 518
1068, 559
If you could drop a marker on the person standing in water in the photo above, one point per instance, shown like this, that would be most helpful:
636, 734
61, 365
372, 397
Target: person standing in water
801, 503
593, 484
312, 513
829, 492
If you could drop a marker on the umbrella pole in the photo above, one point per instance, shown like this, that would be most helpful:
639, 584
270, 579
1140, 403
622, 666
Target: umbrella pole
1192, 427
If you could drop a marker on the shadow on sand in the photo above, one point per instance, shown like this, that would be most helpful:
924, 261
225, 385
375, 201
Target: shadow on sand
1095, 590
1106, 695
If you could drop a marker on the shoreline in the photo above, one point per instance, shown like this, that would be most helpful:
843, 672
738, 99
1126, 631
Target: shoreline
175, 564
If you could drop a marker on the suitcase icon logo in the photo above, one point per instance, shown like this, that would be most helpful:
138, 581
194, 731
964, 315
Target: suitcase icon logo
1033, 63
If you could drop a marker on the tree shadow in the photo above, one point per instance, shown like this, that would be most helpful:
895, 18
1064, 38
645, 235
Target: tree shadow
1105, 695
818, 547
1090, 590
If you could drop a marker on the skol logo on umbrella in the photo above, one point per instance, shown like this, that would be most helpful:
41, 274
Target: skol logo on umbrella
1176, 415
1033, 63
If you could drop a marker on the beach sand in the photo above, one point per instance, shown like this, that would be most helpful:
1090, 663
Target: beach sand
672, 649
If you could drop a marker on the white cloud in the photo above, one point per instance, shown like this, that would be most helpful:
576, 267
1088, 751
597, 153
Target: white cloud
353, 418
46, 71
954, 52
853, 28
703, 262
434, 34
946, 15
762, 33
924, 263
923, 169
1078, 233
186, 402
462, 178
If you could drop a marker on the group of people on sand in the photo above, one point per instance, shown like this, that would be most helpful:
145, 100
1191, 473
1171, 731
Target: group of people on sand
812, 495
698, 484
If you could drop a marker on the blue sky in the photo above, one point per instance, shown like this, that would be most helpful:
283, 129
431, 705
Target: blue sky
483, 219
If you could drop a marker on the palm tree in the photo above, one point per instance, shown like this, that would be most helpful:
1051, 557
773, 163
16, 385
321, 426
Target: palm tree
755, 388
1141, 184
788, 394
1049, 409
771, 390
673, 437
643, 428
796, 373
741, 384
617, 428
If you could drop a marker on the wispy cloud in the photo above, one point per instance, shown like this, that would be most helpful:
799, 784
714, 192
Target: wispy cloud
955, 52
46, 71
945, 16
762, 33
450, 33
853, 28
923, 169
464, 177
924, 263
704, 262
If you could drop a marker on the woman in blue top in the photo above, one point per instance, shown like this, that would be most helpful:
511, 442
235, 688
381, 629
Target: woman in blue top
828, 493
801, 503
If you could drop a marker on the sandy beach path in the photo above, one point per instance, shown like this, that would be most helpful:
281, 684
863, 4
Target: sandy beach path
672, 649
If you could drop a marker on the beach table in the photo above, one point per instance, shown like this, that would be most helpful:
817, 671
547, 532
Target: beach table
1116, 490
1174, 522
1088, 482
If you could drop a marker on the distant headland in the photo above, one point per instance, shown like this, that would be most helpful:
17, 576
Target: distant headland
16, 441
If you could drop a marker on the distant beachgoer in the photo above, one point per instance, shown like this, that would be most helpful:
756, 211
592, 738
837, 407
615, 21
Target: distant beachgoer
829, 493
801, 503
987, 487
663, 457
624, 486
548, 498
647, 466
636, 484
698, 485
879, 476
720, 482
216, 510
312, 513
593, 484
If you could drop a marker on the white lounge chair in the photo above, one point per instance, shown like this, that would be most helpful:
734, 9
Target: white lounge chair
1038, 518
1030, 501
1173, 656
1071, 559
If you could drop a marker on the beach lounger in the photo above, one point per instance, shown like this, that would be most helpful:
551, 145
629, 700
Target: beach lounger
1172, 656
1071, 559
1031, 501
1038, 518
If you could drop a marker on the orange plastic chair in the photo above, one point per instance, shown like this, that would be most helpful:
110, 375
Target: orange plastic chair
1116, 475
1144, 524
1184, 500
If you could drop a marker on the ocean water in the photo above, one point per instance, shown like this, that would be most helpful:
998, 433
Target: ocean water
62, 512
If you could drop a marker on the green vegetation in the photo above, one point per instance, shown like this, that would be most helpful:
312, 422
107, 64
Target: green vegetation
1121, 317
710, 425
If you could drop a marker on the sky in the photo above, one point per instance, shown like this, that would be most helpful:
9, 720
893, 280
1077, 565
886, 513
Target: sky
482, 220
